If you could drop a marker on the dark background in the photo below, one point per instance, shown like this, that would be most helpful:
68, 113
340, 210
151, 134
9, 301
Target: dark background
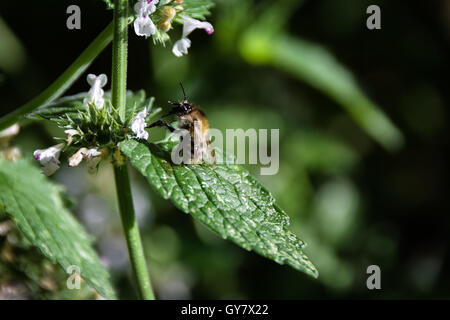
354, 202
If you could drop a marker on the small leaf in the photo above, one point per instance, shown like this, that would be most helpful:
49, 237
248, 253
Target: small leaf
134, 100
69, 106
226, 199
197, 9
35, 206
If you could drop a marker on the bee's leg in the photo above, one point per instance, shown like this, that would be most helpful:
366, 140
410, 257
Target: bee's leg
161, 123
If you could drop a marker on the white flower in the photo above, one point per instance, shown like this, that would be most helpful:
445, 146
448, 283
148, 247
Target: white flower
143, 25
181, 46
10, 131
138, 125
96, 92
70, 133
77, 157
49, 158
7, 134
92, 156
192, 24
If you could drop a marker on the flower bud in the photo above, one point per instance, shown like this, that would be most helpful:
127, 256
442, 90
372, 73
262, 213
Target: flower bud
165, 25
167, 13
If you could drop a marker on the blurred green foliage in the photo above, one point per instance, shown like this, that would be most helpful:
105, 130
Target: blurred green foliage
313, 70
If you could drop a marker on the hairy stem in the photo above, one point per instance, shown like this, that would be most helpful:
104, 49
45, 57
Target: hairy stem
118, 97
120, 47
64, 81
131, 231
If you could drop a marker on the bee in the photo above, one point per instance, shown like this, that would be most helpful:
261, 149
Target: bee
194, 120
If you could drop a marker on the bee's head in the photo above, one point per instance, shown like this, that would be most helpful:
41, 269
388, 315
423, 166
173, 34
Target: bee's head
182, 107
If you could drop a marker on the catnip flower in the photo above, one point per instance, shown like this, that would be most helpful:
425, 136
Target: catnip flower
96, 92
70, 133
7, 134
181, 46
10, 131
49, 158
138, 125
92, 156
143, 25
77, 157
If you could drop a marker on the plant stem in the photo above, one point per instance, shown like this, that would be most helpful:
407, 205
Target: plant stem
131, 231
118, 97
119, 66
64, 81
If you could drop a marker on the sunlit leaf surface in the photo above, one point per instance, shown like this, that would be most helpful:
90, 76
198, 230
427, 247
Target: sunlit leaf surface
227, 200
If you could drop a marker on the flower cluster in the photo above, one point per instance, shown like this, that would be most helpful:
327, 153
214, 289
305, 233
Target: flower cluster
144, 25
93, 132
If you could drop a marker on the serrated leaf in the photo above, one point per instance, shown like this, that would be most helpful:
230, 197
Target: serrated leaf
35, 206
226, 199
70, 105
136, 102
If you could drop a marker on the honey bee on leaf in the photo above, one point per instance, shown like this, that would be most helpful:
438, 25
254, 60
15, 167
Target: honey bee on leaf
192, 119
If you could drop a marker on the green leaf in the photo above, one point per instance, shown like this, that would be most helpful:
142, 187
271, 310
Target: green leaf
317, 67
197, 9
35, 206
69, 106
266, 43
226, 199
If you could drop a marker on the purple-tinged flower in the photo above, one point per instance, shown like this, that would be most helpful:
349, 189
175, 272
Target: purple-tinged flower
49, 158
143, 25
181, 46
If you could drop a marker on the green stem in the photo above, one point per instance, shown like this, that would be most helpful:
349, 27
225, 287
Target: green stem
118, 97
64, 81
119, 66
131, 231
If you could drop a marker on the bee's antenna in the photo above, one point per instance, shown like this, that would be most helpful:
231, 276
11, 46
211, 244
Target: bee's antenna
184, 92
